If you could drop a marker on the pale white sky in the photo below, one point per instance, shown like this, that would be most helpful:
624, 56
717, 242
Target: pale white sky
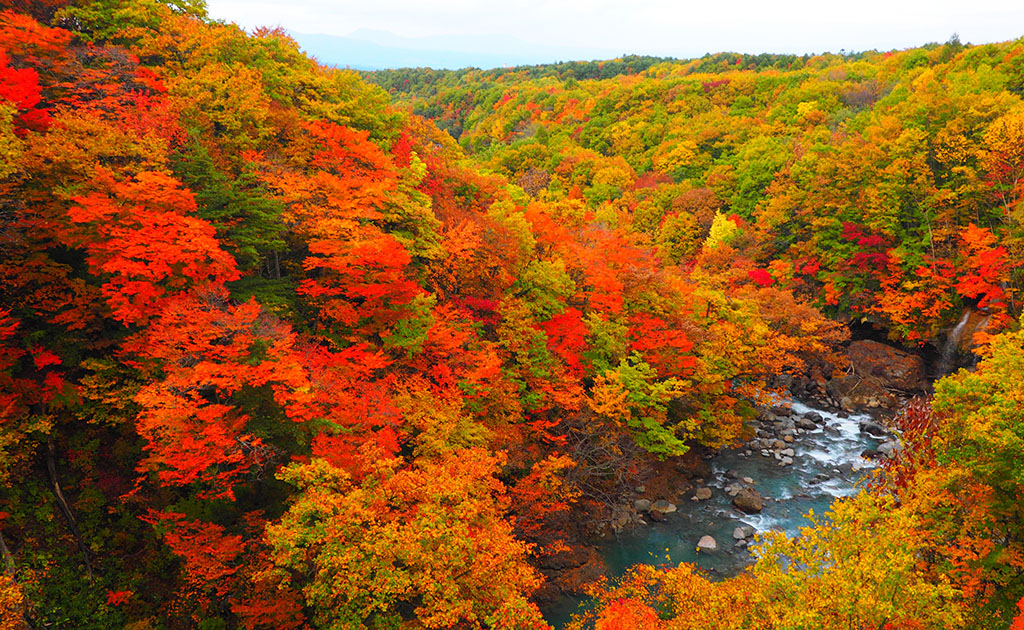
682, 28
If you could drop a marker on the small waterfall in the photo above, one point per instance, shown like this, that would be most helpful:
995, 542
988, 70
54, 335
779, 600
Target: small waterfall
949, 350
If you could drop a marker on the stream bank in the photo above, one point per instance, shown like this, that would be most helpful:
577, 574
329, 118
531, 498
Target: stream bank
801, 459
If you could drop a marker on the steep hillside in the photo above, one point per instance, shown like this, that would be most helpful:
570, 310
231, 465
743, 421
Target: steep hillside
886, 186
276, 353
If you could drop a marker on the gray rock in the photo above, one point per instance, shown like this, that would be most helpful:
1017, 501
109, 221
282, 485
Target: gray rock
787, 452
806, 424
702, 494
873, 428
787, 461
748, 480
663, 506
868, 453
642, 505
748, 500
889, 448
738, 533
707, 544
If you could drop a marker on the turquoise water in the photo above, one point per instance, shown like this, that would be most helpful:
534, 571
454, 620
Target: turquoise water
826, 465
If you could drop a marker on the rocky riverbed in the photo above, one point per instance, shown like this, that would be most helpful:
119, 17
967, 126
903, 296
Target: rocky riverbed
801, 459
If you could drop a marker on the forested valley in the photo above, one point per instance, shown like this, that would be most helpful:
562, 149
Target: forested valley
289, 346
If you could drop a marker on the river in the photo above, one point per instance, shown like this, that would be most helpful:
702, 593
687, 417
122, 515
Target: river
827, 464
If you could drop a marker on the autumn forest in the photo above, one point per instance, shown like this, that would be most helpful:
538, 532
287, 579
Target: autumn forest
286, 346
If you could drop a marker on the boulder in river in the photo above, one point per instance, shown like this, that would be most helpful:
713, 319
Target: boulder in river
707, 544
703, 494
663, 506
748, 500
873, 428
889, 448
782, 411
806, 424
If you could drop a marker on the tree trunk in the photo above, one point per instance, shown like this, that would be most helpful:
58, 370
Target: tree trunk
51, 467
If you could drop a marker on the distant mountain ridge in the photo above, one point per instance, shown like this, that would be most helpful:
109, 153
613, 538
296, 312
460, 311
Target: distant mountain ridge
366, 49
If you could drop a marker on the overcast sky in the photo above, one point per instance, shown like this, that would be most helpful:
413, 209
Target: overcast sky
680, 28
